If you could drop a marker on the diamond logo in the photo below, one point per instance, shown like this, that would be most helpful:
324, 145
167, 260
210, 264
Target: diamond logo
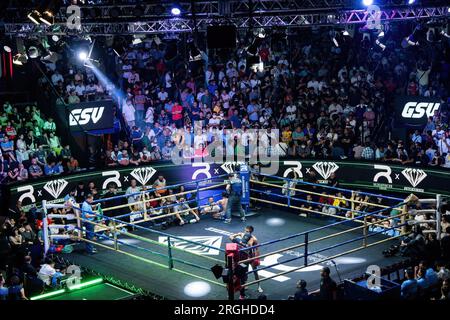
56, 187
143, 175
231, 166
414, 176
210, 241
325, 169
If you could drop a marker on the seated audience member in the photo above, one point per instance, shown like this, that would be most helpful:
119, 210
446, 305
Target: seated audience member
15, 289
184, 213
160, 185
211, 208
49, 274
445, 290
409, 288
35, 170
123, 158
3, 289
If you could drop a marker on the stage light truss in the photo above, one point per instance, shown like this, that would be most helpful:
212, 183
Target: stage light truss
212, 8
261, 21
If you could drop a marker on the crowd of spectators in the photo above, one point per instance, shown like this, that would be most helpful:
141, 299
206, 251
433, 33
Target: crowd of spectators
29, 145
338, 106
429, 277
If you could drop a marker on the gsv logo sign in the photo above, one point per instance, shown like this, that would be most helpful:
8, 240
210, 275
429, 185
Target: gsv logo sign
84, 116
414, 110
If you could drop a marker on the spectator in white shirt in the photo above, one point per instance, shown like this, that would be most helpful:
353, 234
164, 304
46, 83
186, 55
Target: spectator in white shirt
48, 273
129, 113
162, 95
56, 77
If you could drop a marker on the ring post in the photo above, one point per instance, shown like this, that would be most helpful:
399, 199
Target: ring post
288, 193
116, 244
230, 277
365, 232
45, 234
353, 204
306, 249
169, 251
145, 205
438, 216
403, 218
198, 197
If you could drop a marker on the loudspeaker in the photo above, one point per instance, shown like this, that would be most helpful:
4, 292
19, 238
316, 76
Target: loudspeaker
217, 271
221, 37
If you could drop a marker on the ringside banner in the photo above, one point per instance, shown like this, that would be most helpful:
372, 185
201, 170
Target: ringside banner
375, 177
89, 116
415, 111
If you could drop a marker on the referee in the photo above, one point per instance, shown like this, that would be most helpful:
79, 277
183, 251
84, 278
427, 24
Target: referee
234, 189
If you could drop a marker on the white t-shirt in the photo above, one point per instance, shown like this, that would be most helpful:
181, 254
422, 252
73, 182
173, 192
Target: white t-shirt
79, 89
128, 111
313, 84
57, 77
291, 110
46, 273
162, 96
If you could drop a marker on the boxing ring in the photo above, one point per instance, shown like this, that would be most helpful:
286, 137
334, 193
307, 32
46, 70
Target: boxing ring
174, 261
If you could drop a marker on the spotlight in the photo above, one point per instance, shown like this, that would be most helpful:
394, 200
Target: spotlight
175, 10
82, 55
380, 44
346, 33
335, 42
55, 38
378, 41
136, 41
50, 57
410, 2
194, 52
34, 16
20, 59
33, 52
47, 18
367, 2
260, 33
409, 41
7, 48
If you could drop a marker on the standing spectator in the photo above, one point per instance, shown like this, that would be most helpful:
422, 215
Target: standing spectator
128, 112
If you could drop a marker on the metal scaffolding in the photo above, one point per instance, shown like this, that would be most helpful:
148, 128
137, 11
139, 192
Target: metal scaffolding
270, 18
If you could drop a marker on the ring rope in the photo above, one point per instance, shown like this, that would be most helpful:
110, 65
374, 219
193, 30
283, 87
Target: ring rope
159, 188
320, 194
313, 230
147, 229
158, 198
148, 250
328, 187
313, 241
320, 261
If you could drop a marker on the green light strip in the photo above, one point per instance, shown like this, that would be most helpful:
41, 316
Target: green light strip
47, 295
85, 284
